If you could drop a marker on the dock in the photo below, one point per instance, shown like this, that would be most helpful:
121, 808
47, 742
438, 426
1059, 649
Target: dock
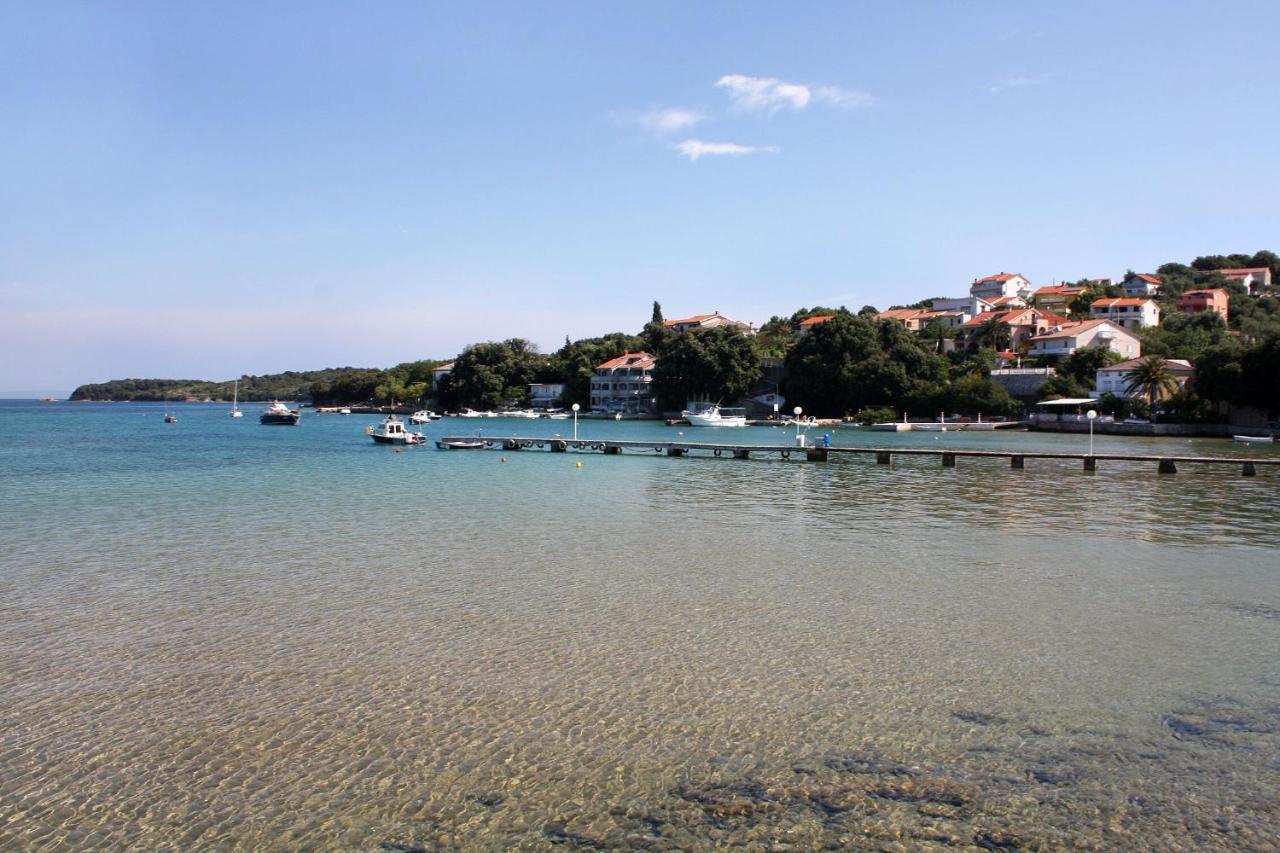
822, 453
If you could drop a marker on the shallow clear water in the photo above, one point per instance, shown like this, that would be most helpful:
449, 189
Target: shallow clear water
219, 634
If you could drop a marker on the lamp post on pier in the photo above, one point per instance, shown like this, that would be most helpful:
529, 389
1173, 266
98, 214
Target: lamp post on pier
797, 410
575, 421
1092, 417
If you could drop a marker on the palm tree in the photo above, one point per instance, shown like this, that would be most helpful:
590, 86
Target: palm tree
1152, 376
994, 333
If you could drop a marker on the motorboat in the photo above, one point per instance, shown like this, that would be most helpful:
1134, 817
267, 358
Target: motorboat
460, 444
558, 416
392, 431
716, 417
472, 413
278, 414
423, 417
1254, 439
344, 411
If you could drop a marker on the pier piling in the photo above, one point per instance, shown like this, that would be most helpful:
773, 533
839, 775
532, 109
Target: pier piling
741, 453
883, 457
1016, 462
1248, 470
948, 460
1090, 464
1167, 466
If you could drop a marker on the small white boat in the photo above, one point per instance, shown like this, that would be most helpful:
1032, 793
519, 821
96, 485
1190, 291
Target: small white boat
472, 413
460, 444
1254, 439
392, 431
423, 416
559, 416
344, 411
715, 417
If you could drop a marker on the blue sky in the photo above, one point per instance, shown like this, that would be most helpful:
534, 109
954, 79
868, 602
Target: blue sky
204, 190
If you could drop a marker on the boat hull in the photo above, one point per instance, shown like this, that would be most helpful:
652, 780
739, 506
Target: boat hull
460, 445
280, 420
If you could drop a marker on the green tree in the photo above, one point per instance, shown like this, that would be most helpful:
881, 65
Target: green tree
852, 362
656, 335
936, 333
718, 363
490, 375
994, 334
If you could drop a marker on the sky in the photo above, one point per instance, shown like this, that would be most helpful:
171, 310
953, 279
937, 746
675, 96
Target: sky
209, 190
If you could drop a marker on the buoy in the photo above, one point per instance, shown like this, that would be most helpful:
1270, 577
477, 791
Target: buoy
577, 464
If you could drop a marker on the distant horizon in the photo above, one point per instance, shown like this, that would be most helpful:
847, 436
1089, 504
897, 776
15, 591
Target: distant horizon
191, 190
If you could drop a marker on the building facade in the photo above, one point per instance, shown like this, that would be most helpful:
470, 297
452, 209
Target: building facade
1001, 284
624, 385
1142, 284
1112, 380
1063, 340
708, 321
1128, 312
1197, 301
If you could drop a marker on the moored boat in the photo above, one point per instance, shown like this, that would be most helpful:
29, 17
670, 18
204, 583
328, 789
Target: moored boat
422, 416
235, 401
715, 417
278, 414
1254, 439
392, 431
460, 444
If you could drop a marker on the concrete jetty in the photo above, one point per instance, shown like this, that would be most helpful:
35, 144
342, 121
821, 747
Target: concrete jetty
820, 452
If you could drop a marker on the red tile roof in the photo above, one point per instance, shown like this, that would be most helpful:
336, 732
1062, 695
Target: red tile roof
696, 318
1148, 278
1244, 271
1120, 302
1060, 290
817, 319
1004, 276
629, 359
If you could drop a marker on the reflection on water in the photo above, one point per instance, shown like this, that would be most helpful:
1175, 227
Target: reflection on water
286, 639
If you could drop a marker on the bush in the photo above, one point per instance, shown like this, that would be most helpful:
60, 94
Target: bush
875, 415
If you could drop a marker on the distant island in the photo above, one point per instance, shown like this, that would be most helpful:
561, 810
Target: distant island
290, 385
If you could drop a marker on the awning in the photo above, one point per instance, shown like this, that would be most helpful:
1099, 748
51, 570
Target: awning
1069, 401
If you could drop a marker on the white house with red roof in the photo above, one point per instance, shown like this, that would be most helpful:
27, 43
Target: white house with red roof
1253, 278
1001, 284
1142, 284
707, 321
624, 385
1128, 312
1063, 340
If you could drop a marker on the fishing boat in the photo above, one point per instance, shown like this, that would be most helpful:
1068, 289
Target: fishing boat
460, 444
278, 414
392, 431
1254, 439
235, 401
716, 417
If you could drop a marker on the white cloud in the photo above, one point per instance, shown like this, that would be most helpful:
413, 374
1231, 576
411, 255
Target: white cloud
769, 94
695, 148
1014, 83
764, 94
845, 99
665, 120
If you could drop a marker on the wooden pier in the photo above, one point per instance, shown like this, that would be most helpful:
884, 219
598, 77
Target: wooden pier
822, 453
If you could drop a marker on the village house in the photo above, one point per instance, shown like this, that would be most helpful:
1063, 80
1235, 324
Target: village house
1196, 301
1062, 340
1112, 379
623, 385
1254, 279
970, 305
1020, 323
708, 321
544, 395
1001, 284
1142, 284
1055, 298
912, 318
440, 371
809, 324
1127, 312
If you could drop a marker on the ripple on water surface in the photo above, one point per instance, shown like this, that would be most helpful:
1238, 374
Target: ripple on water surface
237, 636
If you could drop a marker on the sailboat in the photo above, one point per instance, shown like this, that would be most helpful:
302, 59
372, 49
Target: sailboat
168, 418
235, 399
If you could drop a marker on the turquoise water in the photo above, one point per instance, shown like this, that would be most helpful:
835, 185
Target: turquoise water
217, 634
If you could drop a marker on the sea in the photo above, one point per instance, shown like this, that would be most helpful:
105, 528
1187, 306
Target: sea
226, 636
